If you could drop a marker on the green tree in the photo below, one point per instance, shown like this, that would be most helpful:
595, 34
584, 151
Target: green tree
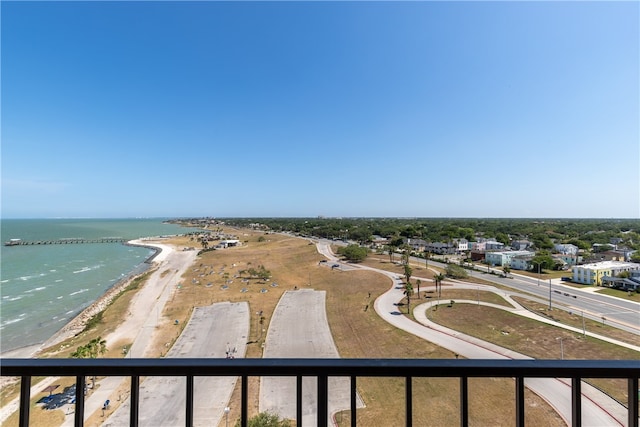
353, 253
506, 270
408, 291
258, 273
541, 261
266, 419
542, 241
456, 272
502, 238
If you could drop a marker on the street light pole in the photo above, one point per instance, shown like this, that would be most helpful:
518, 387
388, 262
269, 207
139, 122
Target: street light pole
226, 416
561, 347
549, 294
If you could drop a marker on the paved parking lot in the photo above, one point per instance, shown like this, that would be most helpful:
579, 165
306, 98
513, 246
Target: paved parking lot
299, 328
212, 332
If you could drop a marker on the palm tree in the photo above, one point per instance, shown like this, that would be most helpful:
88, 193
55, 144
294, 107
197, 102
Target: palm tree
389, 249
407, 272
408, 291
419, 282
406, 254
96, 347
438, 278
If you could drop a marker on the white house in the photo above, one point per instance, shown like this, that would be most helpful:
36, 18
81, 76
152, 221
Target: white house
521, 262
504, 258
566, 249
462, 245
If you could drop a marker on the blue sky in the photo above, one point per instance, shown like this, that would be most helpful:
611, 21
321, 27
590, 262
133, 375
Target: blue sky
412, 109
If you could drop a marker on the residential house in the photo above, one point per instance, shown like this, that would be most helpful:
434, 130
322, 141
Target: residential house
494, 246
521, 245
613, 255
592, 274
462, 245
567, 259
440, 248
521, 262
504, 258
566, 248
417, 245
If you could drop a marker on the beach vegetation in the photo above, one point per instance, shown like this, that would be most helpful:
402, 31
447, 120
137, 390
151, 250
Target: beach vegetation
93, 321
266, 419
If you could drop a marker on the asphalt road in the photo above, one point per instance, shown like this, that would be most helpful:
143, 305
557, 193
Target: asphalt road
211, 333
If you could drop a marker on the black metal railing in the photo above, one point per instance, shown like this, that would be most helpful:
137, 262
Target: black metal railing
322, 369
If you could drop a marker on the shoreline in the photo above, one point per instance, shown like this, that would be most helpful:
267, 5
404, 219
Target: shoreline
78, 323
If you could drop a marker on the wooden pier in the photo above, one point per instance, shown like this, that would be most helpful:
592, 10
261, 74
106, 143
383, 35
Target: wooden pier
20, 242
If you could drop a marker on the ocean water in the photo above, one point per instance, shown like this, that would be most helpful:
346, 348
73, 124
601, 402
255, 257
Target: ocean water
43, 287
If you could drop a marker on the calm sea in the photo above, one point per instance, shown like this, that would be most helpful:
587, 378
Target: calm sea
44, 287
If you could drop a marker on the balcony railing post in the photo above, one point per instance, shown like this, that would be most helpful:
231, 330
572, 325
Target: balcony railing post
244, 406
409, 401
299, 400
135, 396
189, 406
520, 401
25, 400
576, 402
633, 402
353, 401
323, 406
464, 401
79, 415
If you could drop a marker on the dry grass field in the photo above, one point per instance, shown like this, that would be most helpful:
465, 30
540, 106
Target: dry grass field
535, 339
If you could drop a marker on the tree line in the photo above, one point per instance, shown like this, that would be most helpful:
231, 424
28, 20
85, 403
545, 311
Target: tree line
543, 233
